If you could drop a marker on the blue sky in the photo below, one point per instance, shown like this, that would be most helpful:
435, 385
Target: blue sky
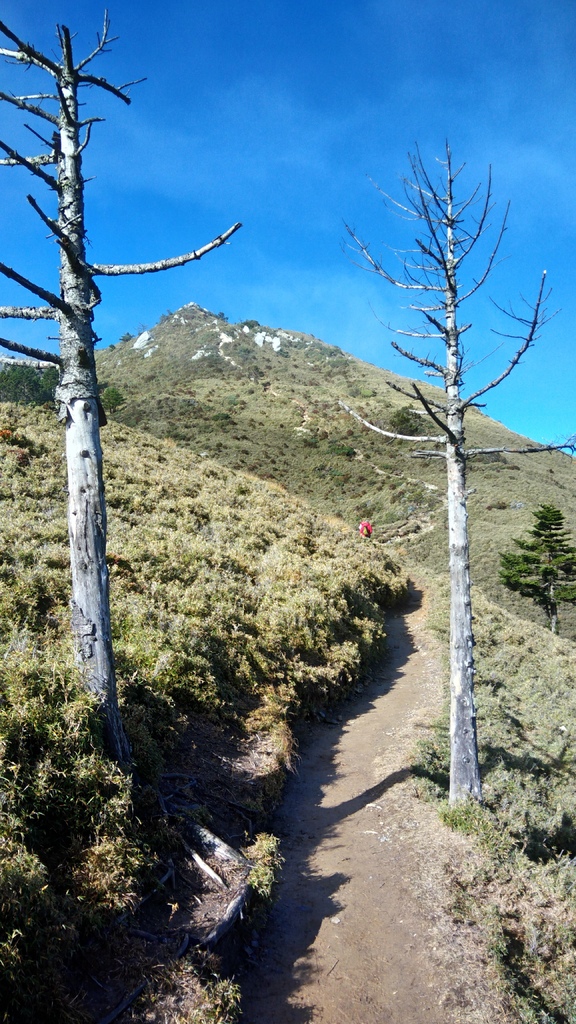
277, 114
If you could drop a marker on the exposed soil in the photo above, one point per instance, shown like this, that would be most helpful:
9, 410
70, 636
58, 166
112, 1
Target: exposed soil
362, 931
234, 777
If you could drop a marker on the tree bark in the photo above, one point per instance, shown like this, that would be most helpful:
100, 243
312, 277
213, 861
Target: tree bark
553, 610
464, 766
464, 770
77, 394
90, 586
77, 391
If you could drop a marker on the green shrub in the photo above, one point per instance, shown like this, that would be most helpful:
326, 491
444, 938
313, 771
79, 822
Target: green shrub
406, 421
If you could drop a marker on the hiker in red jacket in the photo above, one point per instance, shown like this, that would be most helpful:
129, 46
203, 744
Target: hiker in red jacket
365, 528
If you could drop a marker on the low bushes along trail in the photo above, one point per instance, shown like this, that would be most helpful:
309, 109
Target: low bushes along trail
361, 932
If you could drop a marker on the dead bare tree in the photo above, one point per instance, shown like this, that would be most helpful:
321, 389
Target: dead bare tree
431, 276
73, 310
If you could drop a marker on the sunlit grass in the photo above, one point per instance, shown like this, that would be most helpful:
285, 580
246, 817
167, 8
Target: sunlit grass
523, 889
230, 599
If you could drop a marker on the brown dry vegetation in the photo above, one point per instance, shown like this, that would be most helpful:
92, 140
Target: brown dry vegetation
230, 601
241, 600
523, 888
276, 415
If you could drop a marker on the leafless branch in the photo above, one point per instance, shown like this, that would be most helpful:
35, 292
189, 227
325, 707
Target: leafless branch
102, 83
83, 145
42, 293
435, 322
18, 101
427, 405
31, 165
400, 390
410, 395
26, 54
388, 199
432, 454
473, 237
61, 237
103, 41
42, 160
65, 39
387, 433
429, 252
423, 335
134, 81
48, 221
472, 199
490, 263
538, 318
432, 228
28, 313
428, 195
96, 294
569, 445
376, 267
32, 353
40, 137
418, 359
114, 269
477, 362
40, 96
428, 309
91, 120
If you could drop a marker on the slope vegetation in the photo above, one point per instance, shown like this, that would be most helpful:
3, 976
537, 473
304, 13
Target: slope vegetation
266, 401
242, 596
523, 889
231, 602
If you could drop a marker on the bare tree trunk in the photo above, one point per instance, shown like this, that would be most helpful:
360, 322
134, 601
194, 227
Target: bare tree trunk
464, 770
77, 391
464, 766
78, 394
90, 587
553, 609
432, 272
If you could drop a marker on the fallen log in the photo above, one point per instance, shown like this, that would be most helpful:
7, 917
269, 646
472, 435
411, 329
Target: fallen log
204, 866
233, 912
123, 1005
217, 847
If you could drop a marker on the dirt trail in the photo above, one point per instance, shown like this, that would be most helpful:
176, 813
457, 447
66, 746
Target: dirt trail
361, 933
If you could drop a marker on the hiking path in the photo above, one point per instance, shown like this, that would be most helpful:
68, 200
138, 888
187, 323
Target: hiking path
361, 931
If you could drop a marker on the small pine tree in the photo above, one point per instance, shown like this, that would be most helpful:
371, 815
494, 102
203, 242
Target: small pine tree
545, 567
112, 398
406, 421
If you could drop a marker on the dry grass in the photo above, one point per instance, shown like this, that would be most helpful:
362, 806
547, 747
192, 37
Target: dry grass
229, 600
235, 600
523, 887
276, 415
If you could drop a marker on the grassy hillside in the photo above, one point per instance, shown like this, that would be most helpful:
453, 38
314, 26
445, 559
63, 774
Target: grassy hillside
230, 601
266, 401
523, 888
242, 596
